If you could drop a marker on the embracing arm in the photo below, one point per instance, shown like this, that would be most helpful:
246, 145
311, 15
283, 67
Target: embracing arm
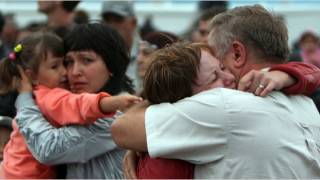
291, 78
128, 131
307, 77
70, 144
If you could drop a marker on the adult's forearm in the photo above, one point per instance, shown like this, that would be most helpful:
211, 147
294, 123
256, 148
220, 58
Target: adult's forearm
128, 131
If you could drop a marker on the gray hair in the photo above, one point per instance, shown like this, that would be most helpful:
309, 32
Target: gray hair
265, 34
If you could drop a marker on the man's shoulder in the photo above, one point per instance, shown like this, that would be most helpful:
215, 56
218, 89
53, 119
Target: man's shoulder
224, 93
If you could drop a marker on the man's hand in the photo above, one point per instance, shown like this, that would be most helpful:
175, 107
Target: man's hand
261, 83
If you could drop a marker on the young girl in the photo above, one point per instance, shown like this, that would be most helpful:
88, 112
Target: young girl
41, 58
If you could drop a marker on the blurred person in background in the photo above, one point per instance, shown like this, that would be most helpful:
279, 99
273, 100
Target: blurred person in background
147, 27
152, 42
10, 31
309, 48
4, 51
81, 17
200, 34
60, 15
121, 16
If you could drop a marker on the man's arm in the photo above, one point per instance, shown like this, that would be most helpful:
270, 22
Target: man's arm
131, 124
177, 131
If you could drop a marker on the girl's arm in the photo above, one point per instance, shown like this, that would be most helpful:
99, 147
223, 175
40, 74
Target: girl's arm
70, 144
63, 107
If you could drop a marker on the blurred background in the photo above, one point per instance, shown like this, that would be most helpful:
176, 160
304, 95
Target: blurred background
177, 16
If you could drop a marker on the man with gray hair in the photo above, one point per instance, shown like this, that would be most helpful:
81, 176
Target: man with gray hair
228, 133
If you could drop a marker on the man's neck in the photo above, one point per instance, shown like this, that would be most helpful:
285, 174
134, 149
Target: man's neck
256, 65
60, 18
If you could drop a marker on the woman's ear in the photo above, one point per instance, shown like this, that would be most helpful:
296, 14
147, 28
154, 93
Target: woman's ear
239, 54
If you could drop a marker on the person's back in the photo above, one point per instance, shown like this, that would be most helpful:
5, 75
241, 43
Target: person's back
279, 141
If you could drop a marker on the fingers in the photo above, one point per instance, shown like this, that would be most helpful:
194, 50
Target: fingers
250, 81
129, 165
245, 81
268, 89
258, 82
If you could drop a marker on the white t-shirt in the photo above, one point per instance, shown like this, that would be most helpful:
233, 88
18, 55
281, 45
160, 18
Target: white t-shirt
233, 134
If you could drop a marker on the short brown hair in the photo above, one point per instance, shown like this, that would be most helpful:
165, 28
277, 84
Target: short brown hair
265, 34
172, 72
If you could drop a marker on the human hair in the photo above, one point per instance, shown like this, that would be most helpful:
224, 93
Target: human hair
208, 14
34, 50
108, 43
161, 38
2, 22
172, 72
308, 34
69, 6
265, 34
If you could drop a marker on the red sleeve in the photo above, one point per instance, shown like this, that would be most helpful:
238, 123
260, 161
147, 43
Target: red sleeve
62, 107
159, 168
307, 76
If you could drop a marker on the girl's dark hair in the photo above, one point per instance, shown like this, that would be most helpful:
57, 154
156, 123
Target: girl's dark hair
108, 43
35, 48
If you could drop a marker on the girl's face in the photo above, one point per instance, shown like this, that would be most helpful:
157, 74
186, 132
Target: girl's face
211, 74
52, 72
86, 71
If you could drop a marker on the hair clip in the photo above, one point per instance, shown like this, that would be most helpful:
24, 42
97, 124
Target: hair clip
17, 48
12, 56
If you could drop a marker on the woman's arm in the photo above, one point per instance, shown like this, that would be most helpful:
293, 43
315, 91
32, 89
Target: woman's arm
291, 78
307, 77
70, 144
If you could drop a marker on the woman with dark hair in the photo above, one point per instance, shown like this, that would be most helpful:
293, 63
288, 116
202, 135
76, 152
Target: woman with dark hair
96, 61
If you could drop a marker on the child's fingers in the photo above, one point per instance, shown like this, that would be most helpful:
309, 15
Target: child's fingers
133, 98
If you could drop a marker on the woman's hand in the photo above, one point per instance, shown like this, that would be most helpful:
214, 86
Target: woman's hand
261, 83
23, 84
129, 165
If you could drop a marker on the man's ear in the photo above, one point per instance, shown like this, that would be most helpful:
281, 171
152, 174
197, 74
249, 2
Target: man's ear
239, 54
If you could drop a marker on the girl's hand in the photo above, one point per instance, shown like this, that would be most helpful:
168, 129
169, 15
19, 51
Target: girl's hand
126, 101
120, 102
23, 84
261, 83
